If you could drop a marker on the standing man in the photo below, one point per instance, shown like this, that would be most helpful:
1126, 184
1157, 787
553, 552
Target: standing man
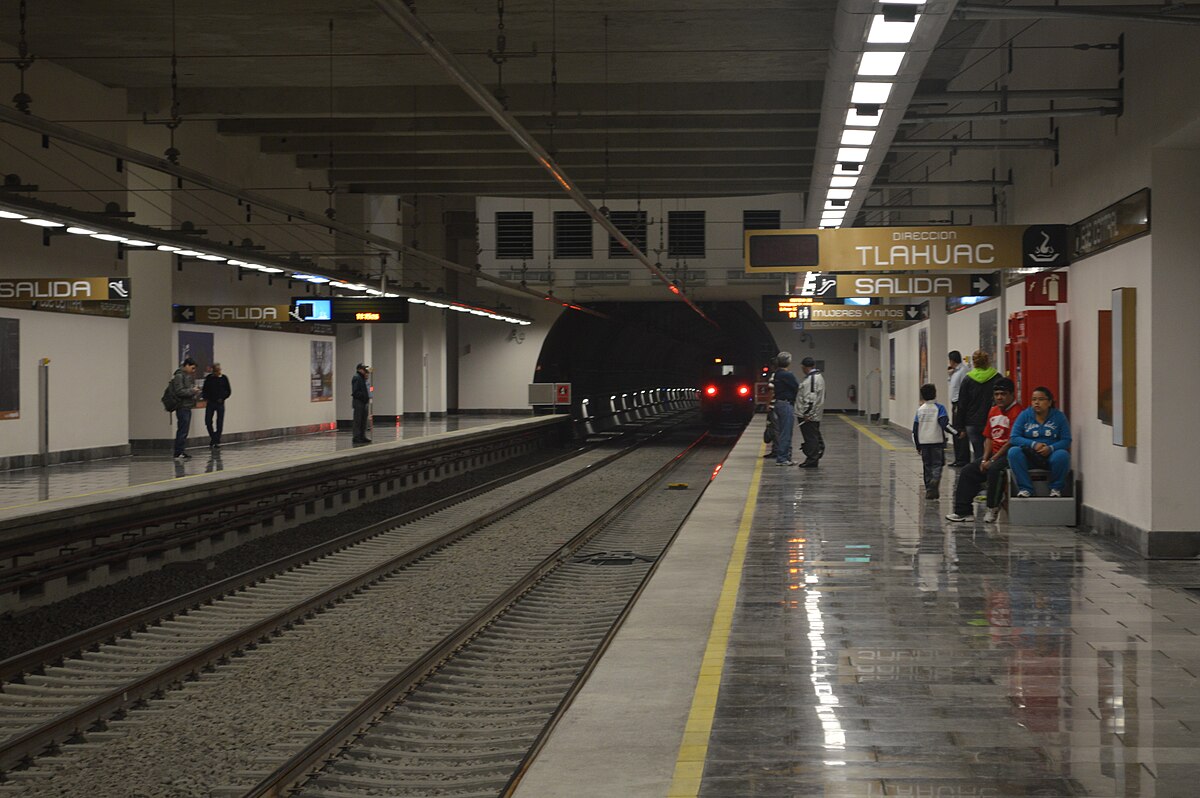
216, 390
975, 399
785, 396
183, 385
360, 399
810, 402
957, 369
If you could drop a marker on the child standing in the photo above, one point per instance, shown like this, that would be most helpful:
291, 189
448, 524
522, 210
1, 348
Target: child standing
930, 426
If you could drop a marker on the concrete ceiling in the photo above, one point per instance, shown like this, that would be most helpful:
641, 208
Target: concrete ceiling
688, 98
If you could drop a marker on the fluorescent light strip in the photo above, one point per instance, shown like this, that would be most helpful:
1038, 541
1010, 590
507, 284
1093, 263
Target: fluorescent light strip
855, 119
884, 32
42, 223
858, 138
81, 231
107, 237
866, 93
206, 256
11, 215
880, 63
840, 193
852, 155
843, 182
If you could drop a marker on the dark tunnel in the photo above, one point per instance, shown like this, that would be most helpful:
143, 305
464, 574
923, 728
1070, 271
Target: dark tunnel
650, 345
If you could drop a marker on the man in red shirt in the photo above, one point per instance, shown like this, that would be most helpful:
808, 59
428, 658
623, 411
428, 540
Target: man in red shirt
994, 464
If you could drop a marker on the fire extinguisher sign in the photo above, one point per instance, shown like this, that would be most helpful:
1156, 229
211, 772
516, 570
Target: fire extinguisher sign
562, 393
1047, 288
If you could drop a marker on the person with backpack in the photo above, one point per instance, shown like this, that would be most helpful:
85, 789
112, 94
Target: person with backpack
183, 389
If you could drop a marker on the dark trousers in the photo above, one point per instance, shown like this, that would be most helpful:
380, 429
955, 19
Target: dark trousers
972, 478
360, 419
183, 423
975, 436
933, 458
216, 409
784, 423
814, 445
962, 446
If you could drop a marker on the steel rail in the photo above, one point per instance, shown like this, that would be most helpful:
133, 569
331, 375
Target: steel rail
24, 747
305, 762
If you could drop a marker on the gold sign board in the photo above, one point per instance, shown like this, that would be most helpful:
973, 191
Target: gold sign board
849, 249
231, 314
860, 313
65, 289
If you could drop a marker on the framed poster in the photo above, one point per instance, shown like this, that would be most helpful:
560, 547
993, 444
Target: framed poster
320, 371
891, 368
10, 368
1104, 367
923, 355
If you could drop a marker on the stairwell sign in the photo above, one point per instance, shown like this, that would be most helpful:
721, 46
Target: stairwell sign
866, 249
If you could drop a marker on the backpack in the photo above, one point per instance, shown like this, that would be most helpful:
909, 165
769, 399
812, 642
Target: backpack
170, 401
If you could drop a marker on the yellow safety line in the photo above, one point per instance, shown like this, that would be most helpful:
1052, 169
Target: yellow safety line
890, 447
689, 765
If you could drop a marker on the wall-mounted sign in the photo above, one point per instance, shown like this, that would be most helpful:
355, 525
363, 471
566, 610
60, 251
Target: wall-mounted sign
230, 314
92, 289
1047, 288
351, 310
114, 309
906, 248
856, 313
837, 325
944, 284
782, 307
1121, 221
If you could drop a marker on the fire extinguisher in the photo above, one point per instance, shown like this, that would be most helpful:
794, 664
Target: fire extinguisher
852, 394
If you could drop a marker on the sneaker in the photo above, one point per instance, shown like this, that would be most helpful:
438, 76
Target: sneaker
184, 456
956, 517
1055, 493
980, 498
784, 463
1023, 494
990, 516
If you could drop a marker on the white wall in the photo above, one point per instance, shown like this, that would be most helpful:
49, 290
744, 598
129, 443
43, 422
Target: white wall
88, 373
835, 347
494, 367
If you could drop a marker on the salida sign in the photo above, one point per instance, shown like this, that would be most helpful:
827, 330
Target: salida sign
230, 314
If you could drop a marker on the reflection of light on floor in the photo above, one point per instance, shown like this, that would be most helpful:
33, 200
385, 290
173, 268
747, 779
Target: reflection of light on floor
827, 700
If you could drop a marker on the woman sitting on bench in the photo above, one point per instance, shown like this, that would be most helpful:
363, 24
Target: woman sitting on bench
1041, 438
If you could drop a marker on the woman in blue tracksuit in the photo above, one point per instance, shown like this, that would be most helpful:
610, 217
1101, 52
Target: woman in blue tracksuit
1041, 438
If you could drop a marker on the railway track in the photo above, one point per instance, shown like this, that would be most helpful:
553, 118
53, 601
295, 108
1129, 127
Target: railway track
77, 699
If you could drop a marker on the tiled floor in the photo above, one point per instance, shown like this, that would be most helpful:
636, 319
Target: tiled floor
880, 650
31, 485
876, 649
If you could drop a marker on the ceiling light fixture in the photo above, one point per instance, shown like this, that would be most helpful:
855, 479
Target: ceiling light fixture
42, 223
885, 31
856, 119
866, 93
858, 138
877, 63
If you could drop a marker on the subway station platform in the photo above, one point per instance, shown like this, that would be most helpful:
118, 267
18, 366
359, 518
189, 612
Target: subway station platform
31, 491
828, 633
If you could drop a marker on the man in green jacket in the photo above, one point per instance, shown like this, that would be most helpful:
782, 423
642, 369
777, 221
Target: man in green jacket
975, 400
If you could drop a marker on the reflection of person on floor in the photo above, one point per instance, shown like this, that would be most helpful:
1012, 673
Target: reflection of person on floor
1041, 439
360, 399
216, 390
214, 462
992, 467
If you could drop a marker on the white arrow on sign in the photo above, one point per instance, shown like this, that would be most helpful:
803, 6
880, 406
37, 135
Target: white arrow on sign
188, 313
912, 312
981, 284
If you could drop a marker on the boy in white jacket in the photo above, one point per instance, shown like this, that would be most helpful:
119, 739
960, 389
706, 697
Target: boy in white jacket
930, 426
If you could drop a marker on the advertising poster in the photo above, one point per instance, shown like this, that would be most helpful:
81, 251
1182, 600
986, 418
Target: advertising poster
321, 372
923, 355
10, 368
989, 333
891, 368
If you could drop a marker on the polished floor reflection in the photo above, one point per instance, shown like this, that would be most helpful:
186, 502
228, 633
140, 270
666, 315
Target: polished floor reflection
879, 650
31, 485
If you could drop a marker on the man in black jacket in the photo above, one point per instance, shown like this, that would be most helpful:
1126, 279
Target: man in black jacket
216, 390
975, 400
360, 399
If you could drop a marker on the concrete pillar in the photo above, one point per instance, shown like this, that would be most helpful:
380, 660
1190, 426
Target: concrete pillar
353, 347
939, 345
388, 378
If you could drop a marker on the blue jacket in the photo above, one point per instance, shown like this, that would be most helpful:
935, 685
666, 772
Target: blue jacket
1056, 431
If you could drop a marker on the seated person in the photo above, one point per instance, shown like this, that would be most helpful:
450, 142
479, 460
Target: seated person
992, 467
1041, 438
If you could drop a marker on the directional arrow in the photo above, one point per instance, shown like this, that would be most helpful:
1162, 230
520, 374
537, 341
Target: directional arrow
913, 312
187, 313
980, 284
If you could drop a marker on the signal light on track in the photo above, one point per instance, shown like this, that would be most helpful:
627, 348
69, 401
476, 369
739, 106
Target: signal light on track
743, 390
711, 390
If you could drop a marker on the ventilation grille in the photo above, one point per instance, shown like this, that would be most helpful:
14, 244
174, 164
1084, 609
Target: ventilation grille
572, 235
736, 276
760, 220
607, 276
529, 276
685, 234
514, 234
632, 225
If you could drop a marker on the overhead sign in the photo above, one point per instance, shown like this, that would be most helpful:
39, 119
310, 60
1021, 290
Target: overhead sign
115, 308
1048, 288
856, 313
231, 314
351, 310
66, 288
945, 284
837, 325
906, 248
1121, 221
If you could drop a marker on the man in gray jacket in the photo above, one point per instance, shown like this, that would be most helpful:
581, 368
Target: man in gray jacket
810, 402
183, 385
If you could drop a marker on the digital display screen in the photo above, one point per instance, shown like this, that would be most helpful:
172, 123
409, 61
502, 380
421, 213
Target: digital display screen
312, 309
798, 250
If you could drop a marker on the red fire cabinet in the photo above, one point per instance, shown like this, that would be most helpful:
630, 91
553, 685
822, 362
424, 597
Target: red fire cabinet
1032, 351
